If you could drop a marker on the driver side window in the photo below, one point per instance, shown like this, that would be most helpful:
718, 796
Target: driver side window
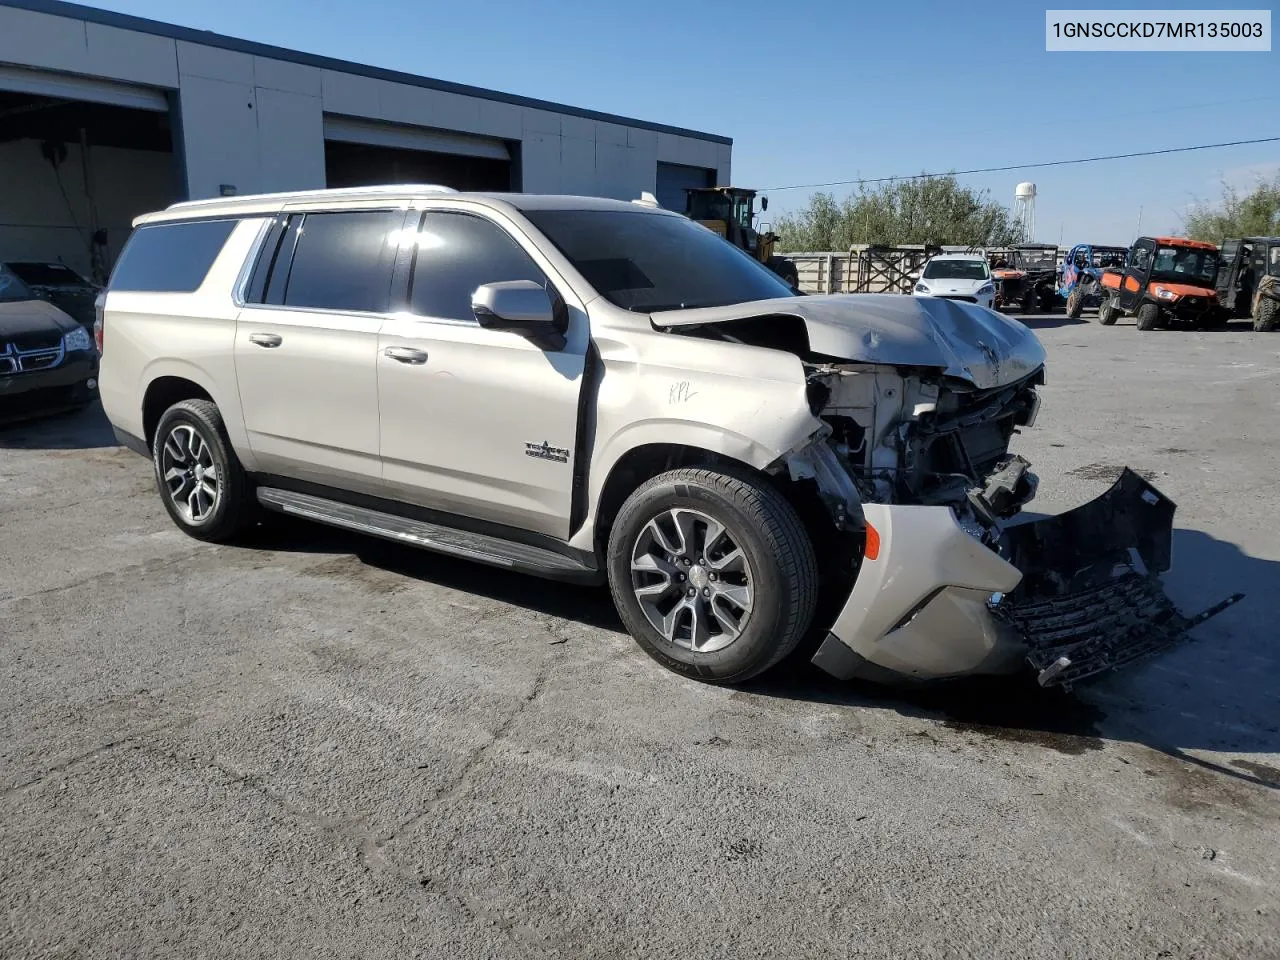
454, 254
1140, 259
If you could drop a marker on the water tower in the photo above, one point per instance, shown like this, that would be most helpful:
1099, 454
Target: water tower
1024, 209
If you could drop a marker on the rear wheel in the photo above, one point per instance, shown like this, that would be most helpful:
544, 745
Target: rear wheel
1075, 303
1268, 317
202, 484
1107, 312
1030, 302
786, 269
1148, 316
712, 573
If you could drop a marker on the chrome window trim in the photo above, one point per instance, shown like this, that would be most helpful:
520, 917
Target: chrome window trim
251, 258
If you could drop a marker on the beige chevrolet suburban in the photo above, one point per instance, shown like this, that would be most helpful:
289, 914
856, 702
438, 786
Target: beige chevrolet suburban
596, 390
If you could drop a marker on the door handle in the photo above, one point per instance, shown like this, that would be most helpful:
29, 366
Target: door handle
406, 354
266, 339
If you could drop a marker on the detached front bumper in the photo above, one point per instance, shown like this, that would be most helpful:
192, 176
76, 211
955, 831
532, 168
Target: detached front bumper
1069, 596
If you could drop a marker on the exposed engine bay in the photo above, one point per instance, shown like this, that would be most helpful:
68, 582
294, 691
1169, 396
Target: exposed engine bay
1089, 598
916, 437
913, 457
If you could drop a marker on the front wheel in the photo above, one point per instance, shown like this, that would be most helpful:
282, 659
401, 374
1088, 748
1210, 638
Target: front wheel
1107, 313
202, 484
1148, 316
1268, 317
1075, 303
712, 573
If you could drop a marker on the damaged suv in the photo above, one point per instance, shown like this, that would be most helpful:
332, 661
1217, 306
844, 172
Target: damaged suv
594, 390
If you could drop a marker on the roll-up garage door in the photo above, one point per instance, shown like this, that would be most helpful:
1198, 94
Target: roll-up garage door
64, 86
362, 153
80, 157
675, 178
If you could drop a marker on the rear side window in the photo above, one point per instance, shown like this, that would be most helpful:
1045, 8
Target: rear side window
343, 261
170, 257
455, 253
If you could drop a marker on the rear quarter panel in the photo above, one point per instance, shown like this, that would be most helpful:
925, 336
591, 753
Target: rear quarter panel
188, 335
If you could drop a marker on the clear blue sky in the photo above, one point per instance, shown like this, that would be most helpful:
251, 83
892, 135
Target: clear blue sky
855, 90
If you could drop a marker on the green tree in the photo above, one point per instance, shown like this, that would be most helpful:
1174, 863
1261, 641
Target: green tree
937, 210
1256, 214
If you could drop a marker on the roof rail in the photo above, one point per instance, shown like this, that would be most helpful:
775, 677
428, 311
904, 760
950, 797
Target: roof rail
316, 194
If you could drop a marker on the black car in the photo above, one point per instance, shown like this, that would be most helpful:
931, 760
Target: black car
48, 361
59, 284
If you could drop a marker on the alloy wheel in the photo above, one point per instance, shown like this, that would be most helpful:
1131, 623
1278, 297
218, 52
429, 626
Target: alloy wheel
692, 580
189, 473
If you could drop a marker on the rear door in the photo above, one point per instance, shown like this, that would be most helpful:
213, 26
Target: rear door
1228, 271
306, 346
478, 422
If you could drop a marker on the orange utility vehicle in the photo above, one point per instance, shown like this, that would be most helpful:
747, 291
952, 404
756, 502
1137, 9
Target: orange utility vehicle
1166, 281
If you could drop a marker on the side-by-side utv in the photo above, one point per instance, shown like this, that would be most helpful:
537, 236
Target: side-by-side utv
1080, 280
1166, 282
1249, 280
1026, 277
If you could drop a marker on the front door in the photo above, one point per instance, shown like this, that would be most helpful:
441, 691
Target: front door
478, 422
1136, 271
306, 355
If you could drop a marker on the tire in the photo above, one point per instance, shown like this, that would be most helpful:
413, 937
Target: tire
1030, 302
1107, 314
786, 269
1268, 317
191, 435
776, 565
1148, 316
1075, 303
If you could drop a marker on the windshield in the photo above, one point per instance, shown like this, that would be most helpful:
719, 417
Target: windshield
11, 288
649, 262
1186, 265
47, 274
1037, 259
956, 270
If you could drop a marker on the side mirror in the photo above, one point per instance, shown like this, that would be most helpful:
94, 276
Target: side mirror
764, 204
523, 307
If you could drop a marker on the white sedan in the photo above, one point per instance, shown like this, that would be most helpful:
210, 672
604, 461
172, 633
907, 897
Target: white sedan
958, 276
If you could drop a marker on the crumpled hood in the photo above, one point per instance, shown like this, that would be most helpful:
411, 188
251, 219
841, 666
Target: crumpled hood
32, 316
962, 339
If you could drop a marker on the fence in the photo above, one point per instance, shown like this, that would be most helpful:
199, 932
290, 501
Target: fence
870, 269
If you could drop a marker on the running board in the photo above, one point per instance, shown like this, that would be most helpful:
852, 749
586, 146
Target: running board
479, 547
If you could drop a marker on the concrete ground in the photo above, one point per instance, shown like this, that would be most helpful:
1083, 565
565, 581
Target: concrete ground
318, 745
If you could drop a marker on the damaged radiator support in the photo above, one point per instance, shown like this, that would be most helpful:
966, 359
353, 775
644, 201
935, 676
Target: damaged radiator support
1091, 599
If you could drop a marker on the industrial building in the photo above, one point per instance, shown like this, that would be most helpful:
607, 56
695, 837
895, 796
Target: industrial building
104, 116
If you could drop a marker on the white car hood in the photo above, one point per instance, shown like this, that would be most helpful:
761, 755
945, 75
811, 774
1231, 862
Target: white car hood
941, 286
962, 339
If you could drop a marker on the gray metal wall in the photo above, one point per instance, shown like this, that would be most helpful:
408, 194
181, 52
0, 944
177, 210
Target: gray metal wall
256, 122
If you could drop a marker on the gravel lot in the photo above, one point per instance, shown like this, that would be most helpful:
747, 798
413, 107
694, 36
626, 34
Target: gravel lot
319, 745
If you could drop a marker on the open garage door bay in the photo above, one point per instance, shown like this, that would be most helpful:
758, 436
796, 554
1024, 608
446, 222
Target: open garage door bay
82, 157
360, 153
